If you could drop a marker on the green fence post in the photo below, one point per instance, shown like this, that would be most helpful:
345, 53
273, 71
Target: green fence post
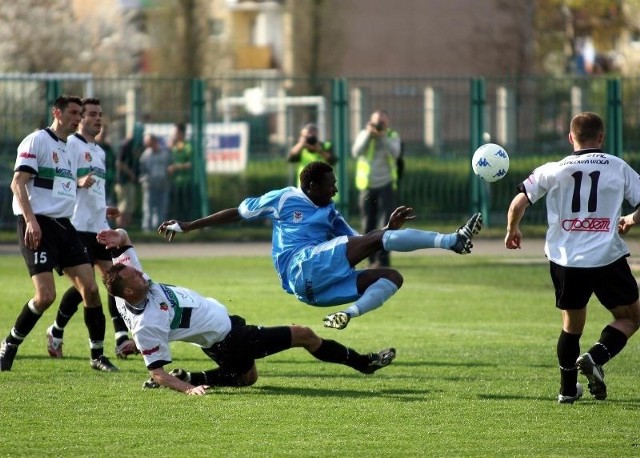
340, 109
54, 90
614, 117
479, 197
200, 188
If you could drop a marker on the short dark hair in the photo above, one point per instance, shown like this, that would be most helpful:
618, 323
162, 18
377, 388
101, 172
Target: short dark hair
89, 101
112, 280
313, 172
586, 127
181, 127
64, 100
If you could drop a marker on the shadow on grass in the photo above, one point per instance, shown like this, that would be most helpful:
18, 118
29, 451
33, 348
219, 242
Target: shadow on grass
402, 394
626, 403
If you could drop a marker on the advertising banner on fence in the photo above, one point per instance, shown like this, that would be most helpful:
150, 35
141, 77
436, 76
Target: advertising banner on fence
225, 144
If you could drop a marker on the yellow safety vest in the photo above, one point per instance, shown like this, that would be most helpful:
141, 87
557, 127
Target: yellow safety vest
363, 166
307, 157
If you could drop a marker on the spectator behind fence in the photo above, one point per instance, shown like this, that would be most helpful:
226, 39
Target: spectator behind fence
127, 177
310, 148
377, 149
180, 171
102, 140
154, 178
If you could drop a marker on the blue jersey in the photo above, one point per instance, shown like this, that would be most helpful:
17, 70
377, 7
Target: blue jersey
298, 223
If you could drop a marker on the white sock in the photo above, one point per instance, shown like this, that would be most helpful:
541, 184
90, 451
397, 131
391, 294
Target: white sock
414, 239
373, 297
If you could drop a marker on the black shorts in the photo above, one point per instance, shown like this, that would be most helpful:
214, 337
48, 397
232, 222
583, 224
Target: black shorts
245, 343
613, 285
60, 247
95, 250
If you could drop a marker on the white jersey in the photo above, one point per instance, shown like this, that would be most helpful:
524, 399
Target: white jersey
90, 211
52, 190
170, 313
585, 192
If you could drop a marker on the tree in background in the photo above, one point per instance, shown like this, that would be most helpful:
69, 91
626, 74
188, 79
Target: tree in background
38, 36
580, 36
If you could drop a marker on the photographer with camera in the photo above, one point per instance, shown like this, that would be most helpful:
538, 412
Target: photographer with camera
377, 149
309, 149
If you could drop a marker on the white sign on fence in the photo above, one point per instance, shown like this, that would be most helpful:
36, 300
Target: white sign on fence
226, 145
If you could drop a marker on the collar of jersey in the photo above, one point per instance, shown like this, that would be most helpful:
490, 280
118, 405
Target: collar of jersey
137, 309
587, 151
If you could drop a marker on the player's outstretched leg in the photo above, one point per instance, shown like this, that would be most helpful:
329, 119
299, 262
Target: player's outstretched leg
379, 360
405, 240
465, 234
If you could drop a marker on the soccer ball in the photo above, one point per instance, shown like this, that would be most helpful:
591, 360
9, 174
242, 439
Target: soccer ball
490, 162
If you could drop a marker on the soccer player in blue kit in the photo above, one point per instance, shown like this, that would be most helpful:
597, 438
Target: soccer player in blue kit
315, 251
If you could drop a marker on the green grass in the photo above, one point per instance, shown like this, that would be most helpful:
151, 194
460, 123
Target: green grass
476, 375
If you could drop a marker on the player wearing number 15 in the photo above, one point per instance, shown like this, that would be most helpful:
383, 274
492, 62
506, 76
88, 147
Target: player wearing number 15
44, 195
584, 194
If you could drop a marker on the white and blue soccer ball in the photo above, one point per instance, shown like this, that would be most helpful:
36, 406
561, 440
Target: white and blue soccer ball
490, 162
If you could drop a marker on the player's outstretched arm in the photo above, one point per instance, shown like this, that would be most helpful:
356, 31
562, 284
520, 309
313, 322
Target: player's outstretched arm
165, 379
171, 227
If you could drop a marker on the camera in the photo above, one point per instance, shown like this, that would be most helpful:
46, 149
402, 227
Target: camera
312, 140
379, 126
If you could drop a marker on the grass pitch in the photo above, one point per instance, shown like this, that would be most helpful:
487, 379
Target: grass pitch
476, 374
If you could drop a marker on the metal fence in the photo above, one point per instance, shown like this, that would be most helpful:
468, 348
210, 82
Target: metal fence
440, 120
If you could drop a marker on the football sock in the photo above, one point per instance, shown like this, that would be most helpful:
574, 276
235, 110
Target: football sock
373, 297
568, 350
68, 307
414, 239
331, 351
95, 321
25, 322
611, 342
121, 337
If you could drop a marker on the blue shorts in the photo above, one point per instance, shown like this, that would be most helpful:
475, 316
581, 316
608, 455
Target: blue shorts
321, 275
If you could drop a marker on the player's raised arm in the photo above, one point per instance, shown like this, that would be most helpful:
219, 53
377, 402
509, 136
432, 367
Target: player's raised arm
171, 227
399, 216
114, 238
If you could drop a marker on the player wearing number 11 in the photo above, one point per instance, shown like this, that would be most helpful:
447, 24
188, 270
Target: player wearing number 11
584, 194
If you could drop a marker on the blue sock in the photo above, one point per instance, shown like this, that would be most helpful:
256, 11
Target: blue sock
414, 239
373, 297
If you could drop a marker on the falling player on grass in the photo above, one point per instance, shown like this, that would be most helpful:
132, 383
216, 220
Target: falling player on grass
157, 314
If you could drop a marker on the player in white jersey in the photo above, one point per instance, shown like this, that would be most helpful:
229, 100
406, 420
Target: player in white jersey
44, 193
315, 251
89, 217
158, 314
584, 196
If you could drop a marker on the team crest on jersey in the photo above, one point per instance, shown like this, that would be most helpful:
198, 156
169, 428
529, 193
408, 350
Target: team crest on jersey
56, 159
297, 216
163, 306
87, 156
